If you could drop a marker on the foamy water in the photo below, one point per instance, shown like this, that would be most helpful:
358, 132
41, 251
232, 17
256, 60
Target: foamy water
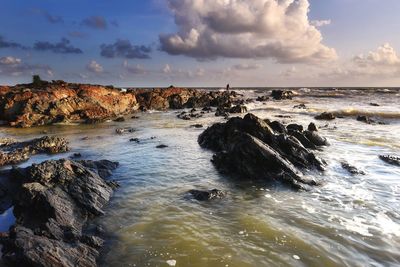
347, 221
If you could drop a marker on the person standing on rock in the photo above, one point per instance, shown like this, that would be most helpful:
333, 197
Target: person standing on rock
227, 87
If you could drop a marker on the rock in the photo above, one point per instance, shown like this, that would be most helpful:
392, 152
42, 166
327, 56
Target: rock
221, 112
238, 109
294, 127
325, 116
364, 119
394, 160
196, 126
136, 140
374, 104
76, 155
134, 117
250, 148
352, 169
26, 106
120, 119
161, 146
17, 152
300, 106
312, 127
262, 98
124, 130
54, 201
316, 139
281, 94
207, 195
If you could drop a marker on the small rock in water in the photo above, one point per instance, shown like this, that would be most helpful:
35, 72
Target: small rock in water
351, 169
196, 126
312, 127
207, 195
300, 106
120, 119
390, 159
161, 146
76, 155
124, 130
134, 140
374, 104
325, 116
365, 119
171, 262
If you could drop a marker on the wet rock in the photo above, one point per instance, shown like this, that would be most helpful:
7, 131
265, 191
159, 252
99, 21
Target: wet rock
277, 127
294, 127
196, 126
328, 116
161, 146
207, 195
394, 160
124, 130
262, 98
250, 148
17, 152
238, 109
300, 106
281, 94
312, 127
76, 155
374, 104
120, 119
54, 201
136, 140
352, 169
221, 112
364, 119
316, 139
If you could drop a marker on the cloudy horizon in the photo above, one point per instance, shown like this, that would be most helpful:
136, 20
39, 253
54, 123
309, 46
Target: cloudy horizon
202, 42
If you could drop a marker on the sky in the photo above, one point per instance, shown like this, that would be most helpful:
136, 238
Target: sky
202, 43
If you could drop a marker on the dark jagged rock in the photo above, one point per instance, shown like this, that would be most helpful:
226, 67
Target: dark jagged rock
294, 127
312, 127
238, 109
207, 195
250, 148
120, 119
17, 152
394, 160
196, 126
352, 169
325, 116
364, 119
136, 140
300, 106
281, 94
53, 202
374, 104
316, 139
262, 98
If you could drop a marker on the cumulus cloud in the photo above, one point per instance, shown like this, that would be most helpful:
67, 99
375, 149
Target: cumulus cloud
277, 29
95, 22
15, 67
62, 47
136, 69
320, 23
95, 67
124, 49
385, 55
9, 44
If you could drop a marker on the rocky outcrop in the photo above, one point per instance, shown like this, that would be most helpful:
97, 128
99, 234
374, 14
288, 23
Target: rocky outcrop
13, 152
163, 99
325, 116
26, 105
352, 169
258, 149
52, 204
390, 159
281, 94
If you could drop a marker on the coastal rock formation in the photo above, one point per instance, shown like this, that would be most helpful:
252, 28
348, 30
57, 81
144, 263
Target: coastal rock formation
163, 99
281, 94
27, 105
325, 116
260, 149
390, 159
13, 152
352, 169
52, 204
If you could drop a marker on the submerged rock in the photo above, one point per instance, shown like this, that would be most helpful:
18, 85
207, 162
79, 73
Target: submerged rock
17, 152
328, 116
394, 160
54, 200
281, 94
202, 195
250, 148
161, 146
352, 169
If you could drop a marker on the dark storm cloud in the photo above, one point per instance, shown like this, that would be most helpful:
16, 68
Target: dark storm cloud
62, 47
9, 44
95, 22
124, 49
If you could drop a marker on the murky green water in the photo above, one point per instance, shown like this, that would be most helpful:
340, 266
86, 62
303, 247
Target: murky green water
348, 221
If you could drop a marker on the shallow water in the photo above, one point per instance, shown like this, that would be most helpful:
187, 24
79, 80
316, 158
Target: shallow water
348, 221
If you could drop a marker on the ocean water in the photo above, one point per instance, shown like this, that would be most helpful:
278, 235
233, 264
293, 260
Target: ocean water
347, 221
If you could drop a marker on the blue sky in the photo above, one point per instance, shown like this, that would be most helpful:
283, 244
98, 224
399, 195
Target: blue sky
202, 42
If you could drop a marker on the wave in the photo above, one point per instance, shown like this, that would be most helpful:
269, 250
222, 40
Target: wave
359, 112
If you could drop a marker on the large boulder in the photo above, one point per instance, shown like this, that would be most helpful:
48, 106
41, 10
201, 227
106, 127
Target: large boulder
52, 204
251, 148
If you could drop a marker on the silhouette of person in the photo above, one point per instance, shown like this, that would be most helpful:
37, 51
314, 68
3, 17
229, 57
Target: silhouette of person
227, 87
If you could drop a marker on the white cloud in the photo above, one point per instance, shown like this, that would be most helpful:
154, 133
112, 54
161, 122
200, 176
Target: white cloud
167, 69
245, 66
278, 29
385, 55
10, 61
16, 67
95, 67
136, 69
321, 23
